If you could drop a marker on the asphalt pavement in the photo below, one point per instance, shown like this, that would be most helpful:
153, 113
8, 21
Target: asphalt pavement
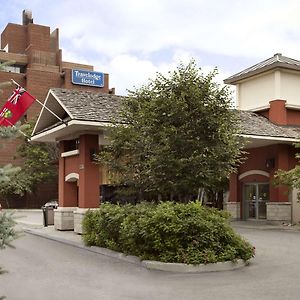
49, 264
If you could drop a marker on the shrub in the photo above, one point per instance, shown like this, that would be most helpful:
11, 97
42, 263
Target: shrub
167, 232
7, 231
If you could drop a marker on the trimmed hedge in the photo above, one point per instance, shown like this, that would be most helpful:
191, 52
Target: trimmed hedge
167, 232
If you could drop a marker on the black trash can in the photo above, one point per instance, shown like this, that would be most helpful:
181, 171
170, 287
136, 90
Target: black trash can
48, 215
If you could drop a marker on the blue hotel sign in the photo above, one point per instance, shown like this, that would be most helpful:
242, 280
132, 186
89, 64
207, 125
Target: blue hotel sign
90, 78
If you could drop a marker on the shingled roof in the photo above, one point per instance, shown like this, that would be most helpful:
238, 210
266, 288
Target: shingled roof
276, 61
83, 110
253, 124
91, 106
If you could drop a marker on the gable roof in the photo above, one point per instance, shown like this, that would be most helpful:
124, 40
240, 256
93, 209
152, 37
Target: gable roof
83, 111
91, 106
77, 110
276, 61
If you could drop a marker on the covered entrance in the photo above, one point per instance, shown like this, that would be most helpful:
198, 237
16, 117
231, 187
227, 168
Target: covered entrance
254, 201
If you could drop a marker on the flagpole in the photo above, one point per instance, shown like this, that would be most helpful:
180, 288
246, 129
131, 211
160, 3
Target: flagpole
44, 106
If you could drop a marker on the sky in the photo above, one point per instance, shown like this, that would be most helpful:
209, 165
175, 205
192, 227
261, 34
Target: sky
132, 40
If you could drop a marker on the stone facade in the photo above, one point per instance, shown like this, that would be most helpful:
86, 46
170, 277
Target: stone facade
64, 218
78, 217
295, 200
233, 208
279, 211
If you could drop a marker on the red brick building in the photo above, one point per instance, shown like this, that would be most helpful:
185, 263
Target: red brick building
267, 100
37, 66
87, 117
268, 97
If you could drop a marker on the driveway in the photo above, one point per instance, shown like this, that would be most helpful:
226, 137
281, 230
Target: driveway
45, 269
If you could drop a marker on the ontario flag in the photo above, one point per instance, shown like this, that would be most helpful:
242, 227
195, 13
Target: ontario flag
15, 107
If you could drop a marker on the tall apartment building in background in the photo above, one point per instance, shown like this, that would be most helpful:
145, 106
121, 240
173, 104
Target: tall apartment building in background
37, 66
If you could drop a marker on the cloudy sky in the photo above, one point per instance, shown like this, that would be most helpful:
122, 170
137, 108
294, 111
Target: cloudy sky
133, 39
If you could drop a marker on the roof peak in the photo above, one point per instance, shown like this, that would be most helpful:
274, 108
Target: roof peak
276, 61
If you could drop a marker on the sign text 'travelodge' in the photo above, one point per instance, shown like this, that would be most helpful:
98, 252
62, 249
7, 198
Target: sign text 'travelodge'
91, 78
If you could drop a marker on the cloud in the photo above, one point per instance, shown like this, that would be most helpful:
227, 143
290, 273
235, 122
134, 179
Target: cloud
134, 39
116, 27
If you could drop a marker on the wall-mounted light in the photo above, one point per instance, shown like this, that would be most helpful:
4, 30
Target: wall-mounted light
270, 163
93, 153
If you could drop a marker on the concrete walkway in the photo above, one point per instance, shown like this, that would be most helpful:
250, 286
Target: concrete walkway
31, 221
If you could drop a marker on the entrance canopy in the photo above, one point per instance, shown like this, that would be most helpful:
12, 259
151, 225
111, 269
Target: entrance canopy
80, 111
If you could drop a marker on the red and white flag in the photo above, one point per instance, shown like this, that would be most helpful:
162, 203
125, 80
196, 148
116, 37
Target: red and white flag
15, 107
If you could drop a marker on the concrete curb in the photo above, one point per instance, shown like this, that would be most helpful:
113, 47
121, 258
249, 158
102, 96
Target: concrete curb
56, 239
202, 268
149, 264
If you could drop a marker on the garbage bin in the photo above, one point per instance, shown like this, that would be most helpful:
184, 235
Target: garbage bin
48, 215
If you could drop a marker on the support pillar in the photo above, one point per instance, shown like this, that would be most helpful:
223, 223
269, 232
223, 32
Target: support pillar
89, 177
67, 191
279, 207
233, 206
67, 196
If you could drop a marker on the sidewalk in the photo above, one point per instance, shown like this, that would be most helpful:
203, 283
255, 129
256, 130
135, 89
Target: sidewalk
31, 221
264, 225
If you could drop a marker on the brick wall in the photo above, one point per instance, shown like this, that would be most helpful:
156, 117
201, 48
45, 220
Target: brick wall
15, 36
43, 71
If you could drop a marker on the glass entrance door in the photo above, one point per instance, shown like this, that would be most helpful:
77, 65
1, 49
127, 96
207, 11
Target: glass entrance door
255, 197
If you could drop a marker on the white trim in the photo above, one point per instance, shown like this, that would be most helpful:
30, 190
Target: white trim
40, 113
39, 135
260, 108
61, 104
50, 92
254, 172
293, 106
70, 153
100, 125
90, 123
270, 138
72, 177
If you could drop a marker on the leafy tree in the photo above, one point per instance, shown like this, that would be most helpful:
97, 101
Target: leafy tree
9, 184
290, 178
38, 164
179, 135
39, 160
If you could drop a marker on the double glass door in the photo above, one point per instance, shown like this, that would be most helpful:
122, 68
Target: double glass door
255, 197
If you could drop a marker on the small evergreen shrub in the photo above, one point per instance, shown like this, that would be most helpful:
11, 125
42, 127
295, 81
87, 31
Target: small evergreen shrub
7, 231
167, 232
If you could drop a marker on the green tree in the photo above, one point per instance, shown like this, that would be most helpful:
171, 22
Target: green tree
9, 182
39, 164
289, 178
179, 135
40, 160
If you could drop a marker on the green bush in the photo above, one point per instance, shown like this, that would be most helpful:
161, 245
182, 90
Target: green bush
168, 232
